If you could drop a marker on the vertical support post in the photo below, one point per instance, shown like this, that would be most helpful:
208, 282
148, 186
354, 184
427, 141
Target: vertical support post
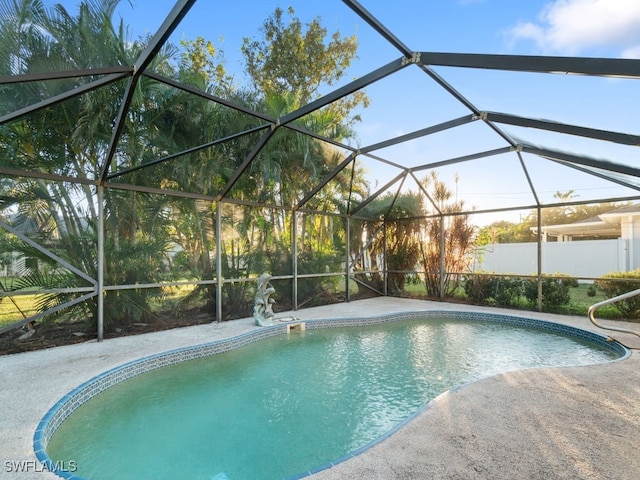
294, 257
347, 244
100, 272
385, 268
218, 261
442, 265
631, 236
539, 258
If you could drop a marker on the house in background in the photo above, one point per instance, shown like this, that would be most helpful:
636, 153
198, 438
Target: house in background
609, 242
622, 222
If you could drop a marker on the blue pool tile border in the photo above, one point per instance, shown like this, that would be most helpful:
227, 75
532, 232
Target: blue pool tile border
64, 407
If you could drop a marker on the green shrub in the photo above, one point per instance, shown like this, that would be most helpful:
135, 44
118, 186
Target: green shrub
619, 283
477, 288
494, 290
508, 291
571, 282
555, 291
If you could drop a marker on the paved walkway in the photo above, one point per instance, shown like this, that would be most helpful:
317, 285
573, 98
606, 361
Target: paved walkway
573, 423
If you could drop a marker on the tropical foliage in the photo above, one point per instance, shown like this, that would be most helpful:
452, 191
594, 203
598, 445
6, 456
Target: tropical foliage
152, 237
437, 244
160, 176
449, 239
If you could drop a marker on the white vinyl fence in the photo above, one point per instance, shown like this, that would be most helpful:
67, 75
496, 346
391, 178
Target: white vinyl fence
584, 259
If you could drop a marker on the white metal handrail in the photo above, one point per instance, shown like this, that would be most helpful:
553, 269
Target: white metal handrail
594, 307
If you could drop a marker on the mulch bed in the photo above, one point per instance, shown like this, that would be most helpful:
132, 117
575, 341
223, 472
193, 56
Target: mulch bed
48, 335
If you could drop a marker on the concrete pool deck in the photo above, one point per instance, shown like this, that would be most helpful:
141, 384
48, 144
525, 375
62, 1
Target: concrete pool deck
573, 422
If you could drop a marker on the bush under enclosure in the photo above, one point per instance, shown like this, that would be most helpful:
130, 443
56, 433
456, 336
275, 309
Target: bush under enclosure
619, 283
506, 291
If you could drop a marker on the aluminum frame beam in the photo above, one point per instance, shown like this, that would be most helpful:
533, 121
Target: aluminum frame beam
208, 96
420, 133
187, 152
378, 26
345, 90
56, 99
48, 253
45, 176
242, 108
379, 192
583, 161
606, 67
606, 135
177, 13
595, 173
330, 176
170, 23
46, 76
585, 164
528, 177
464, 158
245, 164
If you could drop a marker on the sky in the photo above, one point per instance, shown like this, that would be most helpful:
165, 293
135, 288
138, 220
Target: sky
409, 100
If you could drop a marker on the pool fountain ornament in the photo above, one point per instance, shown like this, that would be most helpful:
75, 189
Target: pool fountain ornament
262, 308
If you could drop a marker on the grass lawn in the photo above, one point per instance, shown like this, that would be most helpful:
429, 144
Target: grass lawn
13, 308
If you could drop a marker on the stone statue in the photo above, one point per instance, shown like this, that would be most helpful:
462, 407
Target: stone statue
262, 309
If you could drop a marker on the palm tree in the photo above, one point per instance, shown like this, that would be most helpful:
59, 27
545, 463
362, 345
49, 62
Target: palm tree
70, 139
447, 237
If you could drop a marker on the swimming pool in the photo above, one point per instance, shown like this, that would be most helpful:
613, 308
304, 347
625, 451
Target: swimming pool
265, 407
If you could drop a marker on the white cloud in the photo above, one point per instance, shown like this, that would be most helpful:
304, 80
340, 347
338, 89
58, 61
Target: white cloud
633, 52
572, 26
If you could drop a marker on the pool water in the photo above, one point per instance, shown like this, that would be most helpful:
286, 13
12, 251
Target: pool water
289, 404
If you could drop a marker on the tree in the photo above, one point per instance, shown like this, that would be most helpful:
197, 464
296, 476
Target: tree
503, 231
564, 214
288, 65
202, 65
451, 231
290, 61
70, 139
396, 240
509, 232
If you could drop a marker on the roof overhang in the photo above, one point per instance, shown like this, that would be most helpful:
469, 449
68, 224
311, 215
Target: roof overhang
583, 229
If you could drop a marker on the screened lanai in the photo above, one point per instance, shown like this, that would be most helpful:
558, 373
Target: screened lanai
151, 171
